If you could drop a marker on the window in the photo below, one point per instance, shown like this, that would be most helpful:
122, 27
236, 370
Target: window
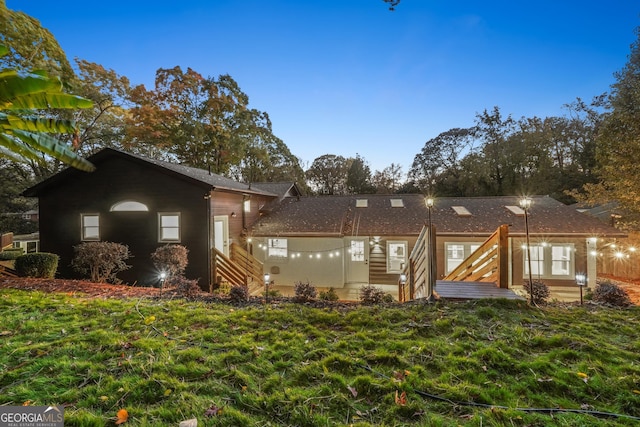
396, 256
169, 227
247, 205
357, 250
90, 226
129, 206
537, 261
277, 248
550, 261
455, 253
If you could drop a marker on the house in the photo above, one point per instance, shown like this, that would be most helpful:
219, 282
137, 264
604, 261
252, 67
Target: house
347, 241
144, 204
235, 232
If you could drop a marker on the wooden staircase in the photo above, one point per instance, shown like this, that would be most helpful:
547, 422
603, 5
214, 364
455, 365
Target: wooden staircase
488, 263
7, 271
240, 268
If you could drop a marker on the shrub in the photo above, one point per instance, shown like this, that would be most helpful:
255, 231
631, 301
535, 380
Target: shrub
238, 293
612, 294
101, 261
39, 264
329, 295
184, 286
171, 260
10, 254
304, 291
540, 291
370, 294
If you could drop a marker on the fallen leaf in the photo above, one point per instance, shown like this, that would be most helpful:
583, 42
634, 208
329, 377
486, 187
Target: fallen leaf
104, 398
167, 392
122, 416
149, 320
26, 403
402, 399
189, 423
353, 391
583, 375
213, 411
636, 391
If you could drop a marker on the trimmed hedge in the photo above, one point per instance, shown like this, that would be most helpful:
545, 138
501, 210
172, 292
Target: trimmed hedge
40, 264
10, 254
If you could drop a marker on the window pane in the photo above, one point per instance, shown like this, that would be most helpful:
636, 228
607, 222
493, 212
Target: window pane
170, 221
396, 256
90, 227
169, 229
561, 260
455, 255
537, 261
277, 248
357, 250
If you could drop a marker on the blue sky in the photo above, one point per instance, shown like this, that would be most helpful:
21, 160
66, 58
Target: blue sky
347, 77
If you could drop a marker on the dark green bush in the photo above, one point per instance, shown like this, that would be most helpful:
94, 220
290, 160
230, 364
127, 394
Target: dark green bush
10, 254
40, 264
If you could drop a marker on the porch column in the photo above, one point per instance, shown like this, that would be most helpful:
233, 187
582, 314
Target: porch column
592, 261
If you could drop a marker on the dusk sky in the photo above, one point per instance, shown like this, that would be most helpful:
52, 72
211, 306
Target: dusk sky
350, 77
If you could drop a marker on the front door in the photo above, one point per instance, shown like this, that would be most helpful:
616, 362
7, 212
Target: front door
357, 260
221, 233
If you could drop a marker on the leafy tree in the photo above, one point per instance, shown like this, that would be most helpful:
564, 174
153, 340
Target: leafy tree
206, 123
359, 177
327, 174
103, 124
30, 46
618, 143
267, 158
439, 161
389, 180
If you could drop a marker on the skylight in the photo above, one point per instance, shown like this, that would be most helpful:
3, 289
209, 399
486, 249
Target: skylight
516, 210
397, 203
461, 210
362, 203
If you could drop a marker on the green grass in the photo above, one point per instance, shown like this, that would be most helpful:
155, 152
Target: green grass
166, 361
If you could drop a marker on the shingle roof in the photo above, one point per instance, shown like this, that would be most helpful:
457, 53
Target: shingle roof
338, 215
198, 176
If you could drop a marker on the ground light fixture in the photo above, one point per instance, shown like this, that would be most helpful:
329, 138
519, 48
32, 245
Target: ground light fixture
525, 204
267, 278
581, 281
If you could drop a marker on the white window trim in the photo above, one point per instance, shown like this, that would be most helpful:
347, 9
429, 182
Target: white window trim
547, 262
84, 227
161, 228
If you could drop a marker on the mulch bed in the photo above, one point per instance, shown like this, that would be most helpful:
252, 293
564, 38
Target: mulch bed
103, 290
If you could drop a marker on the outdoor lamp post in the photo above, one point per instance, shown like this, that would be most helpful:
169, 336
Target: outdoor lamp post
163, 277
581, 281
429, 203
266, 287
525, 204
402, 281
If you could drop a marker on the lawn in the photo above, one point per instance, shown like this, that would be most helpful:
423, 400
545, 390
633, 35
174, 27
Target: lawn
482, 363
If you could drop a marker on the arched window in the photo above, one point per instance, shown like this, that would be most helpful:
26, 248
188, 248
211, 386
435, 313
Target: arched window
129, 206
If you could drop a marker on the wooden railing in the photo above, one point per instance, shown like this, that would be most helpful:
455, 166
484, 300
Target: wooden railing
239, 269
488, 263
6, 271
6, 240
419, 282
